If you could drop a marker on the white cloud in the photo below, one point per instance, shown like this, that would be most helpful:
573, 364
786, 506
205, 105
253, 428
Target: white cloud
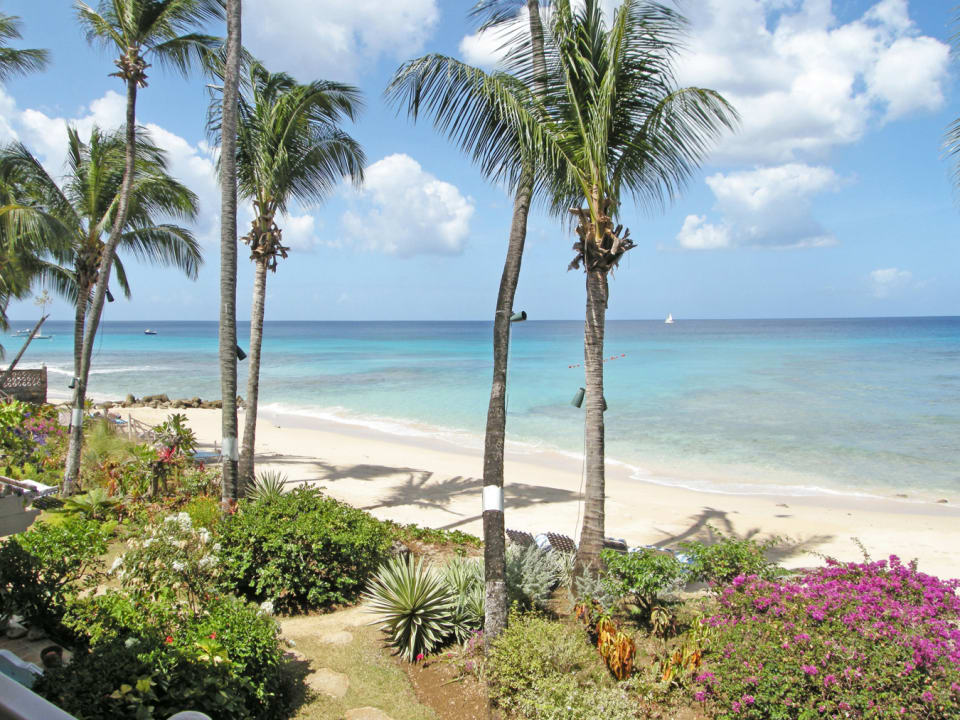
766, 207
299, 231
404, 210
886, 281
336, 39
698, 234
804, 83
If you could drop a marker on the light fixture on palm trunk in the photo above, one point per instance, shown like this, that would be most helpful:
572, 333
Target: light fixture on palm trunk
519, 316
241, 355
578, 399
109, 295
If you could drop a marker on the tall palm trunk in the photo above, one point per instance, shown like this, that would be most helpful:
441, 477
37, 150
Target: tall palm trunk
591, 535
72, 471
79, 321
228, 256
253, 379
494, 552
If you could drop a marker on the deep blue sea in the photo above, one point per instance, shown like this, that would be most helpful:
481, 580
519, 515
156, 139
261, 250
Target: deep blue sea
783, 406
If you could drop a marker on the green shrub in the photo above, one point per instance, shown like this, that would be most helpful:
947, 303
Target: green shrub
641, 575
225, 662
542, 669
728, 557
44, 567
416, 605
434, 536
204, 511
532, 574
301, 550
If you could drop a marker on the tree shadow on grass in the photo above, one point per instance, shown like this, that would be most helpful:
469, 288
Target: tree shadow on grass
295, 671
705, 524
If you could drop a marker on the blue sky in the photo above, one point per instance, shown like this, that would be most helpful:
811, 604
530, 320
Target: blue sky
833, 199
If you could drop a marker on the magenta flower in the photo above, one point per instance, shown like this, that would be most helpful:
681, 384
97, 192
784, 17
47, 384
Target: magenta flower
809, 669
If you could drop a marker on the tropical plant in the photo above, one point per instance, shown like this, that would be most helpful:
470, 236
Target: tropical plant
289, 147
849, 640
95, 504
266, 486
227, 348
82, 205
415, 603
138, 30
493, 15
642, 575
17, 62
174, 435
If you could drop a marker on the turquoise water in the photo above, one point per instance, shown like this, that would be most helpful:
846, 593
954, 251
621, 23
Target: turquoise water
785, 406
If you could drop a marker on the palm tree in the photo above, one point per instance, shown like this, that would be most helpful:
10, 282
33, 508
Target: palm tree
84, 204
229, 489
493, 14
611, 119
289, 146
138, 30
17, 62
29, 239
22, 250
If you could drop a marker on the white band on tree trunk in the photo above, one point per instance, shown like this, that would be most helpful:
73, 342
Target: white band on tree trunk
77, 419
492, 498
230, 451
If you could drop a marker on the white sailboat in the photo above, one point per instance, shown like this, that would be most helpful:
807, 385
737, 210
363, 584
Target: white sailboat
669, 320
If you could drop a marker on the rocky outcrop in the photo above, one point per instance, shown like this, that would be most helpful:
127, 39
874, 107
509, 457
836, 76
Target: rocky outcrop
162, 401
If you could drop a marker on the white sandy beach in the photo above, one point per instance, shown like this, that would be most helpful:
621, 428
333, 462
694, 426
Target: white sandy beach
438, 484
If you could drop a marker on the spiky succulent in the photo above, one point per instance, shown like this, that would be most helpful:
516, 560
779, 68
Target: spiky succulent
415, 604
465, 580
267, 485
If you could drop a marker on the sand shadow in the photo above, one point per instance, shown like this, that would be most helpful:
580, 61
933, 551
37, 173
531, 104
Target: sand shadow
704, 526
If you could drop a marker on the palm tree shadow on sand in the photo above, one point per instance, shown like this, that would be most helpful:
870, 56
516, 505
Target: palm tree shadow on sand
704, 526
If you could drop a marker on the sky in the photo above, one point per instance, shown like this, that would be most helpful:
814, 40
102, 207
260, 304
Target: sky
833, 199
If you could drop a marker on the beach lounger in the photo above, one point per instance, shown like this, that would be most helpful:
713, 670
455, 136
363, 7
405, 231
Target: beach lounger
561, 543
618, 544
523, 539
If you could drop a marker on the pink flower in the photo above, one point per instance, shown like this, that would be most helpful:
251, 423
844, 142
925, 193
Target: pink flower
420, 657
809, 669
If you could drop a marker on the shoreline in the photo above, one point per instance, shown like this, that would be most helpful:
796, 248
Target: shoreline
792, 485
434, 482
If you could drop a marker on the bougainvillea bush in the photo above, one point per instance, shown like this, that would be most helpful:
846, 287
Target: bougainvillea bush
870, 640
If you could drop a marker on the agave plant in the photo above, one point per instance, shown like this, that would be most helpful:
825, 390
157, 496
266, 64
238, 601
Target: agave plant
465, 580
267, 485
415, 604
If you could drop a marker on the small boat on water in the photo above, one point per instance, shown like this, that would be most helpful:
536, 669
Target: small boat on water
22, 332
148, 331
42, 337
669, 320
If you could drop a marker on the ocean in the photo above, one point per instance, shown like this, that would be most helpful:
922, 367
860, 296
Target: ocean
785, 407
